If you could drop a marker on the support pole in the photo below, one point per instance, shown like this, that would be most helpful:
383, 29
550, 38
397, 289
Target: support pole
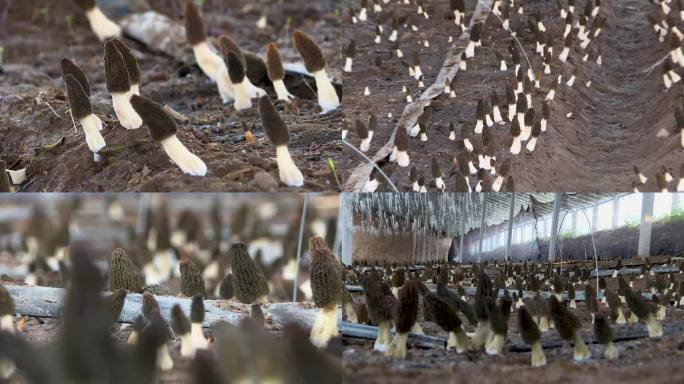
299, 248
483, 198
554, 225
462, 234
616, 212
647, 203
509, 232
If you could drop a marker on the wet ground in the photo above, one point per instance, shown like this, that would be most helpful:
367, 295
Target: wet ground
614, 122
38, 132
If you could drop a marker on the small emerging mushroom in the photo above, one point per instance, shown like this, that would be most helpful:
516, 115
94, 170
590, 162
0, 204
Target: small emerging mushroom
276, 73
277, 132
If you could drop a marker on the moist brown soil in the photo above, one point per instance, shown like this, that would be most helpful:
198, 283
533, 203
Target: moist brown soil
38, 132
613, 125
641, 360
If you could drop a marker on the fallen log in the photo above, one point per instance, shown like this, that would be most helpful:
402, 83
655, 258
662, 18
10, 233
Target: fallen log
49, 302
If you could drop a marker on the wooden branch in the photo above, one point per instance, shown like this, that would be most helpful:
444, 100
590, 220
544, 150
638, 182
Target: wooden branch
48, 302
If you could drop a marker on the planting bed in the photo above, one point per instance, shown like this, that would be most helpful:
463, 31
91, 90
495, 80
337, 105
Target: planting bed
614, 122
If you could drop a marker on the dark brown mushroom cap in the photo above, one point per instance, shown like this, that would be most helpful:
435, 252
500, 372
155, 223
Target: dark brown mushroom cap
361, 129
274, 63
372, 122
528, 327
529, 117
197, 309
6, 302
179, 321
505, 168
68, 67
249, 282
114, 303
194, 25
590, 298
325, 274
314, 60
637, 304
4, 178
413, 175
457, 5
401, 140
86, 5
116, 74
565, 321
442, 312
475, 32
150, 306
602, 330
122, 273
351, 49
236, 69
510, 184
226, 288
536, 129
191, 280
479, 111
461, 184
436, 170
378, 305
226, 44
273, 124
497, 320
78, 98
515, 128
131, 62
407, 310
159, 124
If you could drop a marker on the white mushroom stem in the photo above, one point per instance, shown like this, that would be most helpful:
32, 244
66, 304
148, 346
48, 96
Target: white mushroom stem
497, 114
440, 183
468, 145
402, 158
92, 125
538, 356
281, 90
186, 160
17, 177
655, 329
398, 346
7, 323
351, 313
494, 344
327, 96
197, 339
348, 62
127, 116
511, 112
132, 338
611, 352
481, 334
515, 147
383, 340
208, 61
365, 144
186, 349
164, 361
564, 54
544, 323
103, 27
498, 182
415, 187
470, 49
458, 340
370, 186
452, 136
581, 352
288, 171
542, 124
531, 144
242, 99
